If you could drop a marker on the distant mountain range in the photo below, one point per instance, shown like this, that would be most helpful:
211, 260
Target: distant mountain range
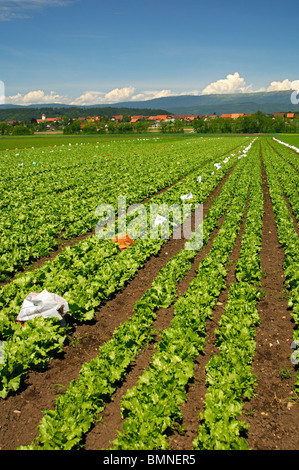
268, 102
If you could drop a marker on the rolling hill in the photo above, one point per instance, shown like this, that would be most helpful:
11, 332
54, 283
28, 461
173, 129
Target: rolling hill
268, 102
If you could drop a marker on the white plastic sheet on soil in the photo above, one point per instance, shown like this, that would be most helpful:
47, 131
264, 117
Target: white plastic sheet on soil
44, 305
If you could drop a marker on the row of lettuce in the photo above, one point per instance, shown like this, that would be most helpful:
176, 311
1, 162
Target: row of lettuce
85, 275
153, 407
229, 376
50, 195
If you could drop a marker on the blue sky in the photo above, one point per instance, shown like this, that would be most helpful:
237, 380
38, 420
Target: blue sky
88, 52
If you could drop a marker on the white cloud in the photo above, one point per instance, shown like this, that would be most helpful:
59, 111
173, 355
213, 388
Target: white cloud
17, 9
284, 85
35, 97
231, 84
87, 98
234, 83
150, 95
118, 95
98, 97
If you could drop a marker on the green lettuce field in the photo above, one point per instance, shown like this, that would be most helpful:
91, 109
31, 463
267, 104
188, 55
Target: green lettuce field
169, 344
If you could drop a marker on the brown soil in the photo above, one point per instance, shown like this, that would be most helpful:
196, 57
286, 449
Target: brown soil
272, 415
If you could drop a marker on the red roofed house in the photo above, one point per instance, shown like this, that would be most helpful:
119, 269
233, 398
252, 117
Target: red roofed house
137, 118
93, 118
44, 119
237, 115
162, 117
190, 118
117, 118
179, 117
159, 117
290, 115
232, 116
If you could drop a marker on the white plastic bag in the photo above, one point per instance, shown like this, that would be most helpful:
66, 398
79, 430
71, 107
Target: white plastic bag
159, 220
187, 196
44, 305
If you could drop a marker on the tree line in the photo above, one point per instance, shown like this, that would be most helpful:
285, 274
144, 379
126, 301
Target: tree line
253, 124
26, 114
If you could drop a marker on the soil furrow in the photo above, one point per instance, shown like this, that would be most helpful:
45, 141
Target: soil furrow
182, 439
273, 415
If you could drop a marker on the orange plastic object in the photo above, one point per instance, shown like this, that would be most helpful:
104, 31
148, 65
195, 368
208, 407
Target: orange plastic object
124, 242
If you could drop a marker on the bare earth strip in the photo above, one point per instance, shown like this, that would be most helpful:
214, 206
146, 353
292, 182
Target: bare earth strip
273, 415
182, 439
